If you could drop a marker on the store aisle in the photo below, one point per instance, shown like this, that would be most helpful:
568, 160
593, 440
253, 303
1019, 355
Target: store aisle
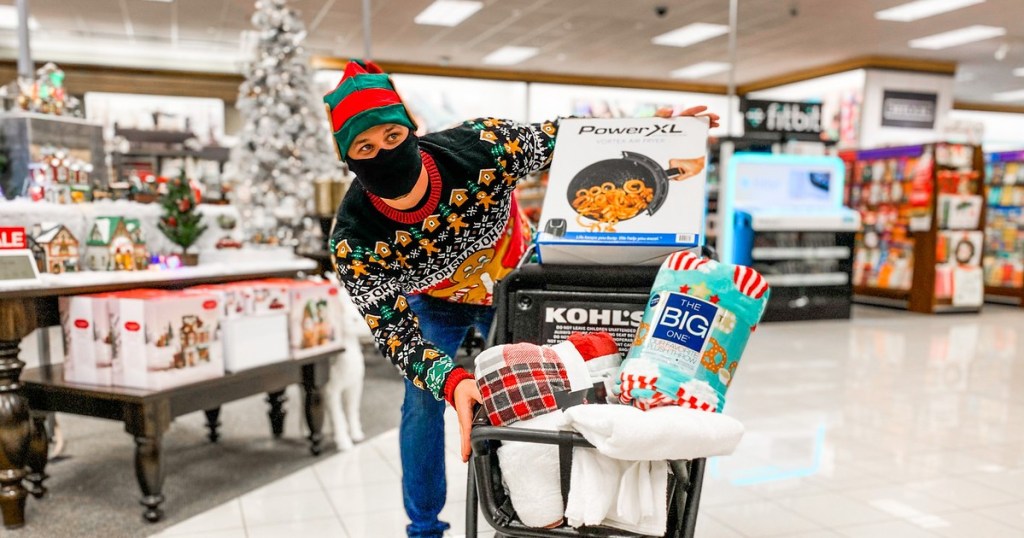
354, 494
894, 425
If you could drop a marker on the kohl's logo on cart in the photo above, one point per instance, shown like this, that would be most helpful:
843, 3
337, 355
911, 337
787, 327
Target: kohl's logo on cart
662, 129
593, 316
684, 320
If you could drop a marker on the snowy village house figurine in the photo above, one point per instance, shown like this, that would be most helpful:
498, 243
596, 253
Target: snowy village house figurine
55, 248
116, 244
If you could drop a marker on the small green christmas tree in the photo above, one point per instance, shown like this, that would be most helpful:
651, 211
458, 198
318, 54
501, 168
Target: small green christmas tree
181, 223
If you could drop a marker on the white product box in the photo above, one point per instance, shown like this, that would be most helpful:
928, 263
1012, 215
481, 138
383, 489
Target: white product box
315, 318
255, 341
85, 323
168, 339
250, 340
624, 191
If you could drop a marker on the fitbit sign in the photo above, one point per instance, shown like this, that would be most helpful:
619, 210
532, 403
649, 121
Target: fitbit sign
781, 117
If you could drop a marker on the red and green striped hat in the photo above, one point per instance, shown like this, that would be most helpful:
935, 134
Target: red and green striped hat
365, 97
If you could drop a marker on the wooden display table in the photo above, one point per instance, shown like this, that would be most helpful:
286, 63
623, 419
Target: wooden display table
23, 308
148, 414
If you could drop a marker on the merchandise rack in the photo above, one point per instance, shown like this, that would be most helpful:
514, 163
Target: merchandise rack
1004, 228
922, 211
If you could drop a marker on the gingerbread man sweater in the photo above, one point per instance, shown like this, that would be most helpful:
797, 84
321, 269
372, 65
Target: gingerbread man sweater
462, 239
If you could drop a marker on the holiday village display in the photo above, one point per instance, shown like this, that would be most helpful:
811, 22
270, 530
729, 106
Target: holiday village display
56, 249
156, 339
1004, 227
61, 176
922, 210
282, 149
44, 95
51, 153
181, 222
52, 158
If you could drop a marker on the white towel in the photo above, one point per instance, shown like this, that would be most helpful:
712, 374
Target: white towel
663, 433
631, 496
593, 485
643, 499
530, 474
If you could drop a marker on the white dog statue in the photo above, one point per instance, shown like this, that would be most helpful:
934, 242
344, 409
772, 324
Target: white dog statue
344, 390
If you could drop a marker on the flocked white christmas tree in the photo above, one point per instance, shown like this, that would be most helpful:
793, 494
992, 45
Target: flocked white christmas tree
283, 146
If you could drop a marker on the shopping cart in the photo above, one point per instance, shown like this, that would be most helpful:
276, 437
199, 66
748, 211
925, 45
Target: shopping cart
522, 302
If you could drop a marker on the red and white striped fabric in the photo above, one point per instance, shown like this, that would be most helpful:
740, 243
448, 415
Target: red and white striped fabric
749, 282
658, 398
692, 402
686, 261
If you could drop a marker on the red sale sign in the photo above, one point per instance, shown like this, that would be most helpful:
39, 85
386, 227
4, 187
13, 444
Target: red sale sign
13, 238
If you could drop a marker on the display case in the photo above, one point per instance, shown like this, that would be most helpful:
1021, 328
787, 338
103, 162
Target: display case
29, 139
148, 151
922, 209
785, 218
1004, 228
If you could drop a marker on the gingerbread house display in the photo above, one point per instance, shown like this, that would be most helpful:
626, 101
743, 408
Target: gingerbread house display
116, 244
55, 248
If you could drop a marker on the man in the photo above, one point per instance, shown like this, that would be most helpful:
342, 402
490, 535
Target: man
425, 231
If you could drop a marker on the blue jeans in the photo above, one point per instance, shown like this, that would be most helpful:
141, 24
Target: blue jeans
421, 435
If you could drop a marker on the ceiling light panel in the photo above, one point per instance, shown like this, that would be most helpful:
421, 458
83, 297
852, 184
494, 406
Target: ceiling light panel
9, 19
921, 9
955, 38
510, 55
1015, 95
448, 12
700, 70
1019, 72
690, 34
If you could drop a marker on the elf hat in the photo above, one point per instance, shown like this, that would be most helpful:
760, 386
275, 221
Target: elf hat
364, 97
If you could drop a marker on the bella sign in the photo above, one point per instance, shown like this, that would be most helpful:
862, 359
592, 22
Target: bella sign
13, 238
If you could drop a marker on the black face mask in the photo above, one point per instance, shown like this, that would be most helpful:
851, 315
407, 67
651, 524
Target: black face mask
392, 173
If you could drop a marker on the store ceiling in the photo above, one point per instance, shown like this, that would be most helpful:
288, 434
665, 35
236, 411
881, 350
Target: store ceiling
584, 37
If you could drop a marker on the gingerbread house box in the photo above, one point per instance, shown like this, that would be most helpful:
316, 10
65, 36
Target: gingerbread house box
55, 248
116, 244
88, 342
316, 318
90, 338
250, 339
167, 340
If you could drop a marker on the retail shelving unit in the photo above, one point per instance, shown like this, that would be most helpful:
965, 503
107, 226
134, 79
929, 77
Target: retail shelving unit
1004, 228
922, 210
783, 215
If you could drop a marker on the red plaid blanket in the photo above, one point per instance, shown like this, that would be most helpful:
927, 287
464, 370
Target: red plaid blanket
521, 391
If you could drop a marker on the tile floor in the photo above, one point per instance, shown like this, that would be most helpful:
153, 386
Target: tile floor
892, 425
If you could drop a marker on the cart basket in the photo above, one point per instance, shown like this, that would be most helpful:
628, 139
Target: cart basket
520, 302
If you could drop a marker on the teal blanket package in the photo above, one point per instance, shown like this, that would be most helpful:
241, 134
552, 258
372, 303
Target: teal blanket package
693, 333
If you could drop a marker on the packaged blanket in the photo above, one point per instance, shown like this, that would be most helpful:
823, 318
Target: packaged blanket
693, 333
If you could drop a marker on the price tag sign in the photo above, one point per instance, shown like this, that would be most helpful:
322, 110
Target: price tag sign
18, 267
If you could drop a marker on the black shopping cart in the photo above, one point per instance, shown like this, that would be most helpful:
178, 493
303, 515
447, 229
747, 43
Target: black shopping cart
540, 304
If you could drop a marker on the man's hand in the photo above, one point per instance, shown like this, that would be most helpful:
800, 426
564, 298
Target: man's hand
687, 167
466, 396
697, 112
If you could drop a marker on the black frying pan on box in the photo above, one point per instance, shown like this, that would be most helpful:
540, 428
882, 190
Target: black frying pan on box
618, 171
